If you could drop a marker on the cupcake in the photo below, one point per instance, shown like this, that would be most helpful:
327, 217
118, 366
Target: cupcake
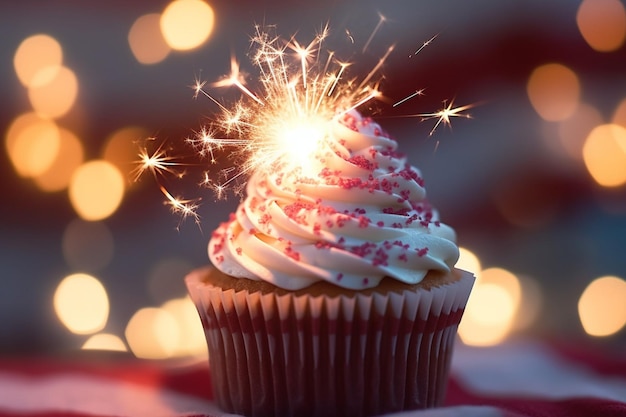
332, 290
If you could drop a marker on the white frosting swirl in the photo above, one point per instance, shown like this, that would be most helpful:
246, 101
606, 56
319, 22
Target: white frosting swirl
361, 216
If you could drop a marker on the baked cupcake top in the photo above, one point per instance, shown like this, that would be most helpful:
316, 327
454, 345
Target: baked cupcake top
352, 212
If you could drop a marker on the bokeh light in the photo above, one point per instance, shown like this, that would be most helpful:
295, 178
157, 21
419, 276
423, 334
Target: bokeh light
186, 24
81, 303
146, 41
468, 261
69, 157
87, 246
492, 308
192, 341
105, 341
96, 190
554, 91
602, 23
32, 144
35, 53
55, 97
601, 306
505, 279
152, 333
604, 154
488, 317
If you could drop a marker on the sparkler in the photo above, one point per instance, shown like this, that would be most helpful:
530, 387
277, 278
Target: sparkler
159, 163
444, 115
302, 90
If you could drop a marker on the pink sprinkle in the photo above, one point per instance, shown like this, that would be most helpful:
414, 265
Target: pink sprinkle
364, 222
217, 248
292, 253
341, 220
239, 251
422, 252
339, 276
362, 162
380, 258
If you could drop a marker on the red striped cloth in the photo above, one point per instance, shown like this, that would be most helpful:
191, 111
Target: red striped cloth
522, 379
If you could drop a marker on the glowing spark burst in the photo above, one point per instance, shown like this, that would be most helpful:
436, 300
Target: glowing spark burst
284, 119
157, 162
160, 163
186, 208
444, 115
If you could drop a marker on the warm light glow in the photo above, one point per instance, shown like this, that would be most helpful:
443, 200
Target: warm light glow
573, 131
490, 312
554, 91
104, 341
146, 41
604, 154
96, 190
602, 23
35, 53
488, 316
186, 24
32, 144
87, 246
56, 97
601, 306
192, 341
468, 261
68, 158
81, 303
297, 139
152, 333
506, 280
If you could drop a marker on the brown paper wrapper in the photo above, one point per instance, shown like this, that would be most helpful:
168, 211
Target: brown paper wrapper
295, 354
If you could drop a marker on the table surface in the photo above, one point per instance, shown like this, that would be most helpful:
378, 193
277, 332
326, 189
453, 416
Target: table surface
520, 378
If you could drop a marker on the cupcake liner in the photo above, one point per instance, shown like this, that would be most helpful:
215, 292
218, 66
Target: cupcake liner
285, 354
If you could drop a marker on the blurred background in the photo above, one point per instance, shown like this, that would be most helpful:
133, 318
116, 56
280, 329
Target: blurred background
534, 183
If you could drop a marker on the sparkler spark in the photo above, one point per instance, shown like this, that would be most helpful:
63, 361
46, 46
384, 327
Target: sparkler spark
157, 162
444, 115
284, 120
424, 45
381, 20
